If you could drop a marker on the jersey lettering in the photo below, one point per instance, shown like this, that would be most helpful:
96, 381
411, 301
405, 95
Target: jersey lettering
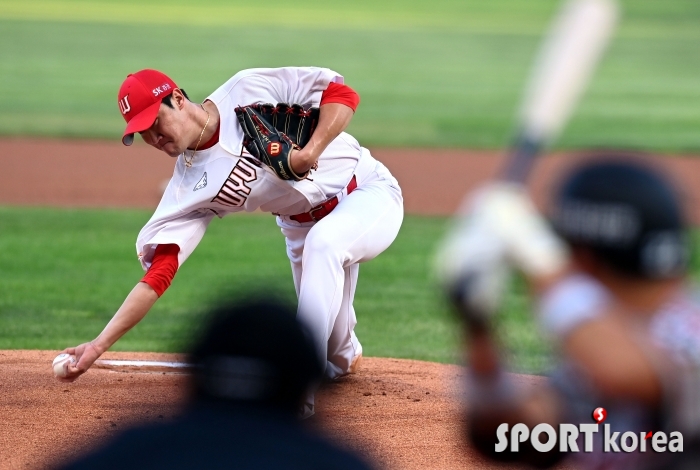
245, 171
235, 191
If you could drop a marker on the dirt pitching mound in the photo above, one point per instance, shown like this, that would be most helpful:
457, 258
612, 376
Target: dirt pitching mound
401, 414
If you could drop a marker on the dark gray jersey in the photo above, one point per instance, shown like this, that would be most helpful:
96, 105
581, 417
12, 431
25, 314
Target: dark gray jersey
675, 331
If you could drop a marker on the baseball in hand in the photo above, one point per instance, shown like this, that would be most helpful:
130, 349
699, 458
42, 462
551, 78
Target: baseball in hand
61, 363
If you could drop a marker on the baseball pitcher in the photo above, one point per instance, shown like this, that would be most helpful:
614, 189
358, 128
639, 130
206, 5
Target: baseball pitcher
273, 140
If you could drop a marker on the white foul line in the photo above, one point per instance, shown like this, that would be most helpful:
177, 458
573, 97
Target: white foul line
146, 364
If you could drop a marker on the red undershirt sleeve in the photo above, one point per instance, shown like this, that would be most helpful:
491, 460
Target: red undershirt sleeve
163, 268
343, 94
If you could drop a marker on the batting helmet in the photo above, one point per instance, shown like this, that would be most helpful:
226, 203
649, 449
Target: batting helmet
627, 213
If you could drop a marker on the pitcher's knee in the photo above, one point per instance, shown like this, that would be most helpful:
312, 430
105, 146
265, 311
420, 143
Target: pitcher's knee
322, 244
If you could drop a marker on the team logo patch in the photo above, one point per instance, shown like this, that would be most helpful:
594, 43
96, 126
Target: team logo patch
274, 148
202, 183
124, 105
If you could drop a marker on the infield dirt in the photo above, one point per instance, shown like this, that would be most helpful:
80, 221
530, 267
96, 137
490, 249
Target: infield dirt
402, 414
46, 172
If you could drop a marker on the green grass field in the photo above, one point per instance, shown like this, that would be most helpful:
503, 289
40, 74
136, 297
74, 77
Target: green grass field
430, 73
64, 273
76, 266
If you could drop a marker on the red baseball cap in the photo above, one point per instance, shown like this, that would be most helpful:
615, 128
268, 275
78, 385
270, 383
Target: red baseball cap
139, 100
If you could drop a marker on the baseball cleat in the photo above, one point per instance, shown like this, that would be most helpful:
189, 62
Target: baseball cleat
355, 365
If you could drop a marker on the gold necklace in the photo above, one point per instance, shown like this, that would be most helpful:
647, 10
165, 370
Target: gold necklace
188, 163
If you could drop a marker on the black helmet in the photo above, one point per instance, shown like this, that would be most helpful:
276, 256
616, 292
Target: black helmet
627, 213
254, 351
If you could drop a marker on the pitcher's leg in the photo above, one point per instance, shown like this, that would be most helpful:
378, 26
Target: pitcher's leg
362, 226
343, 345
294, 240
321, 288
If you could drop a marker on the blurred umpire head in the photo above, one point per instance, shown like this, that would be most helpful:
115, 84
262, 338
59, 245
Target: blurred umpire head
621, 212
254, 352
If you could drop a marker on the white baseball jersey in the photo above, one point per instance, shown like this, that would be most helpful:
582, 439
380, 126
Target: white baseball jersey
324, 255
225, 178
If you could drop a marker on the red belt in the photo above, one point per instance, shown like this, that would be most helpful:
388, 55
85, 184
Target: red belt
322, 210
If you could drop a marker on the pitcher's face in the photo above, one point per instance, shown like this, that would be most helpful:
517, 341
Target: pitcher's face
169, 131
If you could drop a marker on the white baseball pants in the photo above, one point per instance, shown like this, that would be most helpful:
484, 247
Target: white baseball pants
325, 258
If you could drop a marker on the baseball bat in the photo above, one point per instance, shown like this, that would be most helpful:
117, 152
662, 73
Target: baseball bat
566, 60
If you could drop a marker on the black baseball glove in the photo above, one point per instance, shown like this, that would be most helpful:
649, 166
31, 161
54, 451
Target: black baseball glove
272, 132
